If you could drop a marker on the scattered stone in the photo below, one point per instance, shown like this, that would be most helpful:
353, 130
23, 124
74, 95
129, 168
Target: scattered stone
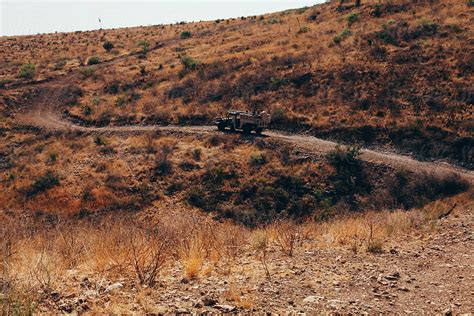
182, 311
312, 299
55, 296
225, 308
208, 301
393, 277
65, 307
113, 287
447, 312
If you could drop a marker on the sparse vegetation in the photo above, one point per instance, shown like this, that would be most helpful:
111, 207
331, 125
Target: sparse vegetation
93, 61
186, 34
44, 183
342, 36
108, 46
102, 212
352, 18
27, 71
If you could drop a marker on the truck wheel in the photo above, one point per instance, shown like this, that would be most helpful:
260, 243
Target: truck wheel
247, 130
221, 127
259, 131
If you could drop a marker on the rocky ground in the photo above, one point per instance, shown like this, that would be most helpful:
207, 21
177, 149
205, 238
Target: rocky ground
429, 271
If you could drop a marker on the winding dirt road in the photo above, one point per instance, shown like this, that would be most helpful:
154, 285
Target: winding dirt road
49, 120
43, 112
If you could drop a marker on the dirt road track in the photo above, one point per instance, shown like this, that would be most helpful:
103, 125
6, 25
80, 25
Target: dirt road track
49, 120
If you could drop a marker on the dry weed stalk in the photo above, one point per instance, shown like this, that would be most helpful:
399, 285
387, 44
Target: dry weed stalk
288, 236
150, 250
260, 244
374, 240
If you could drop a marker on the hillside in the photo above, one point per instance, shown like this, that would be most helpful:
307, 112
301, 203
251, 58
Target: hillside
117, 194
396, 74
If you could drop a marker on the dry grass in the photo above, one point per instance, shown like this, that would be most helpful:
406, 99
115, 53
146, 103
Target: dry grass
38, 254
64, 228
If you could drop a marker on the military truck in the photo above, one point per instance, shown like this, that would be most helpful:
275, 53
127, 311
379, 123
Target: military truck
244, 121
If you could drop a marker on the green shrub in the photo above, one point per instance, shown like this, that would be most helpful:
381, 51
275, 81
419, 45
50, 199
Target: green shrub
27, 70
42, 184
189, 63
86, 110
163, 166
144, 46
186, 34
93, 61
196, 153
257, 159
470, 3
352, 18
273, 21
87, 72
53, 157
349, 178
428, 27
99, 141
342, 36
108, 46
121, 101
304, 29
409, 190
377, 11
196, 197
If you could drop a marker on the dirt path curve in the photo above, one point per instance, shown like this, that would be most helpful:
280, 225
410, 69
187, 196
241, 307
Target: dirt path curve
49, 120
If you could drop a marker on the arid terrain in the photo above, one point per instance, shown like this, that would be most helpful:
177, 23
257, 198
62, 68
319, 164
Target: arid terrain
118, 195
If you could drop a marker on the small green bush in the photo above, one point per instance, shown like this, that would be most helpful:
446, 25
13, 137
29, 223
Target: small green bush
196, 153
108, 46
189, 63
197, 198
27, 70
377, 11
93, 61
186, 34
87, 72
349, 178
53, 157
144, 46
304, 29
342, 36
273, 21
99, 141
409, 190
428, 27
163, 166
352, 18
470, 3
86, 110
257, 159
